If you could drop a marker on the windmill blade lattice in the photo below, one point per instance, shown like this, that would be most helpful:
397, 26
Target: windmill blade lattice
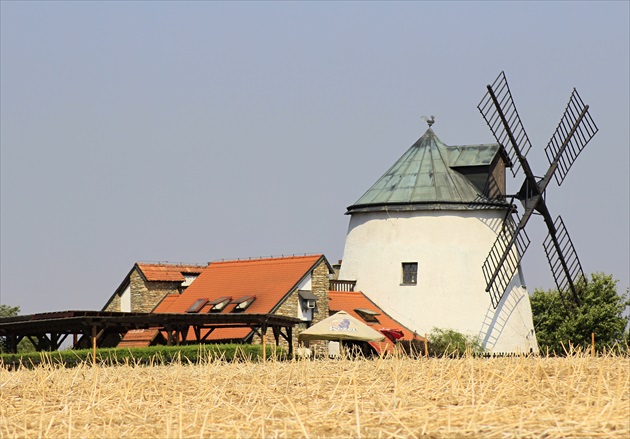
498, 109
575, 130
504, 259
563, 261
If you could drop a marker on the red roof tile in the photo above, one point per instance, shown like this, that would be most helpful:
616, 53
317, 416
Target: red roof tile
167, 301
349, 301
168, 272
138, 338
269, 279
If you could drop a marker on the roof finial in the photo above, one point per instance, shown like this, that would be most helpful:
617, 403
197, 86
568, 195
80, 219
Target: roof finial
430, 122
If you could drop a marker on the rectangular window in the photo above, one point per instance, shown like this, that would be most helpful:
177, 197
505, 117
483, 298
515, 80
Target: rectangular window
367, 314
409, 273
217, 305
197, 305
243, 303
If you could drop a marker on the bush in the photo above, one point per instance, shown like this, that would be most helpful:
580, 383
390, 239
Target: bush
159, 355
450, 343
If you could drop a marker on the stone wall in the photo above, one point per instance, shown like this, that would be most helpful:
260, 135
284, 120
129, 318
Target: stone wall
114, 304
146, 295
320, 284
319, 287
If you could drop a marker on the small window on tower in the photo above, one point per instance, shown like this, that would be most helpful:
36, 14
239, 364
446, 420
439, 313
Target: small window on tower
409, 273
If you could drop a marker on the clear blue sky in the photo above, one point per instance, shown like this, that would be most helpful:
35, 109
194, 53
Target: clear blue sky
190, 132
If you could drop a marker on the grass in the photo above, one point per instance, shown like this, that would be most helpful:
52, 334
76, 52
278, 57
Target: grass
576, 396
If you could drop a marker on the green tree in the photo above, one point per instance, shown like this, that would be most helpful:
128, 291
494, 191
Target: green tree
25, 344
600, 312
9, 311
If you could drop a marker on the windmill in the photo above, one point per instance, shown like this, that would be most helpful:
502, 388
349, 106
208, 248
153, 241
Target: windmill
575, 130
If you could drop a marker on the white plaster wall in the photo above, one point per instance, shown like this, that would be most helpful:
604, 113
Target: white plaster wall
125, 300
450, 248
305, 284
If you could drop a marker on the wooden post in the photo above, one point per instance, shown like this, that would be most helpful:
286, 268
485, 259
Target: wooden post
169, 337
290, 341
593, 344
12, 343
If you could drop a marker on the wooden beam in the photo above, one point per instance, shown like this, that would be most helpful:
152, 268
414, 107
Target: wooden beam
169, 335
207, 334
276, 334
12, 343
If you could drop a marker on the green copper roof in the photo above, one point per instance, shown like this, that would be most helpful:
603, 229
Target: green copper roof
472, 155
425, 175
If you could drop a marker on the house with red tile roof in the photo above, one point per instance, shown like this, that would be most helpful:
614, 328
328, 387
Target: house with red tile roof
293, 286
147, 284
361, 307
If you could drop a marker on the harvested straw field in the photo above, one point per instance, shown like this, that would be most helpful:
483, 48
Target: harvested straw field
579, 396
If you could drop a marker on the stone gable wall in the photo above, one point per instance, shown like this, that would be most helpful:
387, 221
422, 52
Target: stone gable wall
114, 305
146, 295
319, 286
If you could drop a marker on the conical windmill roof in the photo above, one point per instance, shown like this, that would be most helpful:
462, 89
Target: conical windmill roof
422, 179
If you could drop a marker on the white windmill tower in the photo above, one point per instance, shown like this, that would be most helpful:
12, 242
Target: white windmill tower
418, 238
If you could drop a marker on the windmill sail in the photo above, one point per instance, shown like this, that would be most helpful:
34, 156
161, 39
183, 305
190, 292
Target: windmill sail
504, 259
563, 261
575, 130
498, 109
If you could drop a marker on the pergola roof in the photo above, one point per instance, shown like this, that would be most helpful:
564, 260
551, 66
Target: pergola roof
68, 322
56, 326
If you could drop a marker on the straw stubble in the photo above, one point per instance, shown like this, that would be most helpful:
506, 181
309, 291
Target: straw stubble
578, 396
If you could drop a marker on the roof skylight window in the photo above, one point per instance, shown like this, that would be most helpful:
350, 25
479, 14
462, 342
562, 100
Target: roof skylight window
243, 303
197, 305
368, 315
217, 305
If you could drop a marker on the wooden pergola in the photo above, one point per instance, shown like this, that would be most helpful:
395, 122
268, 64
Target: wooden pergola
47, 331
